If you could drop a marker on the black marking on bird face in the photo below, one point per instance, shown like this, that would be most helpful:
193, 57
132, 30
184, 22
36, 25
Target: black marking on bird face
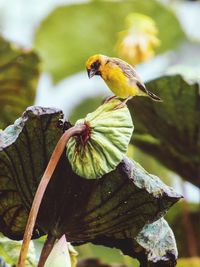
94, 69
95, 65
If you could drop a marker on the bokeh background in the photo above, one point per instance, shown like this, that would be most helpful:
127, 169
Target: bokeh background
64, 33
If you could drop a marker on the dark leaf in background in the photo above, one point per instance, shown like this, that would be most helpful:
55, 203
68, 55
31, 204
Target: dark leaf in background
19, 71
170, 131
78, 31
116, 206
177, 222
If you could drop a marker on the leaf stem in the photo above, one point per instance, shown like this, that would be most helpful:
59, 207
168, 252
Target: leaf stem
46, 250
75, 130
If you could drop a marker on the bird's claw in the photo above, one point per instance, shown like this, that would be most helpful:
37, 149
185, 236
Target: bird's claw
108, 99
123, 104
120, 105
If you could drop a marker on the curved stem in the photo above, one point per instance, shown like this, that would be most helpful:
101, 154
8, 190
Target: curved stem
42, 187
46, 250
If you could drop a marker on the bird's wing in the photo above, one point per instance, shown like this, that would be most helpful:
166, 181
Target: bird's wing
142, 87
130, 73
126, 68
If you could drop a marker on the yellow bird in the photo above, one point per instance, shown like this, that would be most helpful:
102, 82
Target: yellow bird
119, 76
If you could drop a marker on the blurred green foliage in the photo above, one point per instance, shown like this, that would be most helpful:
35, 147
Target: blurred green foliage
70, 34
86, 106
175, 218
113, 256
19, 72
189, 262
9, 252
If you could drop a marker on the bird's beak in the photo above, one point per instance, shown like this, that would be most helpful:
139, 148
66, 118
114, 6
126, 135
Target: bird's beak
91, 73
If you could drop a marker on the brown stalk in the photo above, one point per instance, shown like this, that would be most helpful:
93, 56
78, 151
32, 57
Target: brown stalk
190, 234
42, 187
46, 250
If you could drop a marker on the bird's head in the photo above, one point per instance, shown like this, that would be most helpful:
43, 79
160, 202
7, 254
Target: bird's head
95, 64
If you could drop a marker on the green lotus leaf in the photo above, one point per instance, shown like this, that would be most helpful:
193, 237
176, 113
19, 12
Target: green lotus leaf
81, 30
169, 131
105, 142
18, 79
122, 201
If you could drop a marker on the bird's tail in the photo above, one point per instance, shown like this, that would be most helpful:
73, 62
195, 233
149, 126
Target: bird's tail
153, 96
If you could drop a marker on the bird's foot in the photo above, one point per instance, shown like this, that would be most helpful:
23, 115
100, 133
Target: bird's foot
108, 99
123, 103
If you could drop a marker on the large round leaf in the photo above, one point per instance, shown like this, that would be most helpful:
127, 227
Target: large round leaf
115, 207
69, 35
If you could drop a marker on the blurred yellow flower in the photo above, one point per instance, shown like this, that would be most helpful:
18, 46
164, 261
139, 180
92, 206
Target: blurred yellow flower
138, 42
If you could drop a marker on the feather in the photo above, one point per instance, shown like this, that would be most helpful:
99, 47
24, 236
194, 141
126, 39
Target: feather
149, 93
128, 70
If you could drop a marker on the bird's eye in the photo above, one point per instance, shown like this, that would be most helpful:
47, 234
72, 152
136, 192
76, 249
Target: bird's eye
95, 65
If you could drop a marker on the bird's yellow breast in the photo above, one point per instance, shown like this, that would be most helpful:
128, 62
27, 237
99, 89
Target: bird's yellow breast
118, 82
